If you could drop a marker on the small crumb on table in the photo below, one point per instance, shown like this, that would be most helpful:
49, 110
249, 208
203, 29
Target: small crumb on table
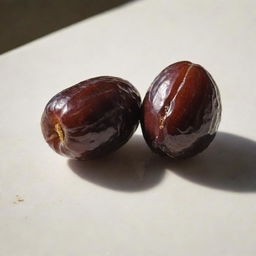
19, 199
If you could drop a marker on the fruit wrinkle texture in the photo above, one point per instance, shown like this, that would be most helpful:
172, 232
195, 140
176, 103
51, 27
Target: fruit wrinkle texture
92, 118
181, 110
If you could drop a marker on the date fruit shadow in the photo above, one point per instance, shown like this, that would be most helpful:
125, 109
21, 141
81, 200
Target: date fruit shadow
229, 163
127, 169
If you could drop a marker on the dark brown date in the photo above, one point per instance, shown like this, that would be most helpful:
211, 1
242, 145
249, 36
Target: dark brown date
92, 118
181, 111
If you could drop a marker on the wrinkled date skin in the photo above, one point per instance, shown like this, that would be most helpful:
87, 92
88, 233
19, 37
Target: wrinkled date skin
92, 118
181, 111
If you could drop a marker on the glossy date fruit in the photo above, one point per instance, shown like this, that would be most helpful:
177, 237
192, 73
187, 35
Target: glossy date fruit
181, 111
92, 118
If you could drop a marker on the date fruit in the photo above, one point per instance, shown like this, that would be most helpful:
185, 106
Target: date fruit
92, 118
181, 111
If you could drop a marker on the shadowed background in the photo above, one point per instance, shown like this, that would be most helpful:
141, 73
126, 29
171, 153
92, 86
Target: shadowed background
22, 21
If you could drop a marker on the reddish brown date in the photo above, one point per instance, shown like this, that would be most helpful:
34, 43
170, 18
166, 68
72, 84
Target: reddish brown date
181, 111
92, 118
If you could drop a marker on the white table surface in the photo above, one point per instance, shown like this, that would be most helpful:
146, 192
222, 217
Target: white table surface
132, 202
